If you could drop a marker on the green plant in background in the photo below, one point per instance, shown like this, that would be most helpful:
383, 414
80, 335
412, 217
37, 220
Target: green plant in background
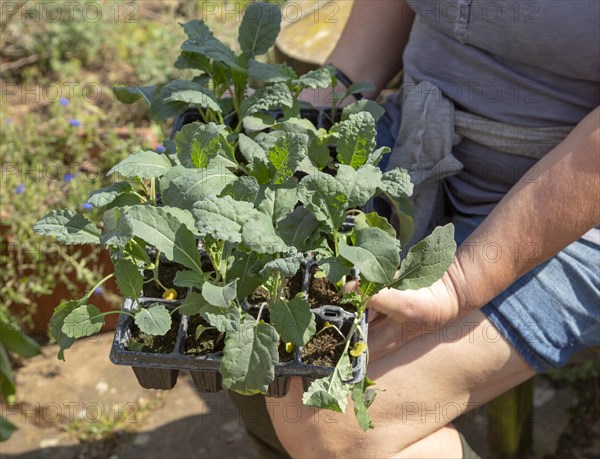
12, 340
256, 191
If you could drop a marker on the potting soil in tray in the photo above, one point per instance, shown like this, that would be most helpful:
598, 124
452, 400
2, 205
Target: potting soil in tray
156, 344
166, 275
210, 341
324, 349
291, 287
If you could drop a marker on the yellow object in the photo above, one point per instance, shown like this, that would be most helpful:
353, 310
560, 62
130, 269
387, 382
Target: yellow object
170, 294
289, 347
358, 349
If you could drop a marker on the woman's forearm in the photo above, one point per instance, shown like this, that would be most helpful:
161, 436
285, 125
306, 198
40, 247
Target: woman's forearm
540, 216
372, 43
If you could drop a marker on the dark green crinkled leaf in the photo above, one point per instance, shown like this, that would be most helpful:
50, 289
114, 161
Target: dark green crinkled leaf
259, 28
297, 227
245, 268
325, 198
334, 268
192, 186
222, 218
189, 92
376, 156
272, 97
184, 216
427, 261
398, 188
286, 155
69, 227
129, 278
364, 105
287, 266
360, 184
270, 73
293, 320
226, 320
331, 392
244, 188
117, 231
373, 220
161, 110
258, 122
276, 201
202, 41
84, 320
319, 78
356, 139
200, 144
249, 358
56, 324
108, 194
131, 94
376, 254
125, 200
154, 320
143, 164
258, 234
188, 60
164, 231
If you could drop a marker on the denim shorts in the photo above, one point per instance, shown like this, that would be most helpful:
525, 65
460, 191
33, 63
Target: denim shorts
551, 312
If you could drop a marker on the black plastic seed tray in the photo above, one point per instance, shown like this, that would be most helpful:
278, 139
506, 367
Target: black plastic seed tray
320, 117
160, 371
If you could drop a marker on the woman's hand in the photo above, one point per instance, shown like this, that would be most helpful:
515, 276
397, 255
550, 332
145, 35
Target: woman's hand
395, 316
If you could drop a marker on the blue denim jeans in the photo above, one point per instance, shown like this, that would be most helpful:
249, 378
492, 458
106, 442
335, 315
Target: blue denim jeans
550, 313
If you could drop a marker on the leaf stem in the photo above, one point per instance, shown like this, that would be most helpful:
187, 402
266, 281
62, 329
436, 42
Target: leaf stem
336, 243
155, 271
262, 306
89, 294
153, 190
127, 313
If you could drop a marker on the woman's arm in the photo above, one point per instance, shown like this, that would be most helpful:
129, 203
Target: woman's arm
372, 43
551, 209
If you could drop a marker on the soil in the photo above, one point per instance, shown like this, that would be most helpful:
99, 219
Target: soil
210, 341
260, 295
284, 356
291, 287
322, 349
157, 344
166, 274
321, 292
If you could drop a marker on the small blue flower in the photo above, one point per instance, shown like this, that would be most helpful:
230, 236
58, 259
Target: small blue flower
68, 178
75, 123
64, 102
160, 149
98, 291
87, 206
8, 120
21, 189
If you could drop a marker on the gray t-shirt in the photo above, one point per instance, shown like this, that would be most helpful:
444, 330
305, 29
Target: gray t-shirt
528, 63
